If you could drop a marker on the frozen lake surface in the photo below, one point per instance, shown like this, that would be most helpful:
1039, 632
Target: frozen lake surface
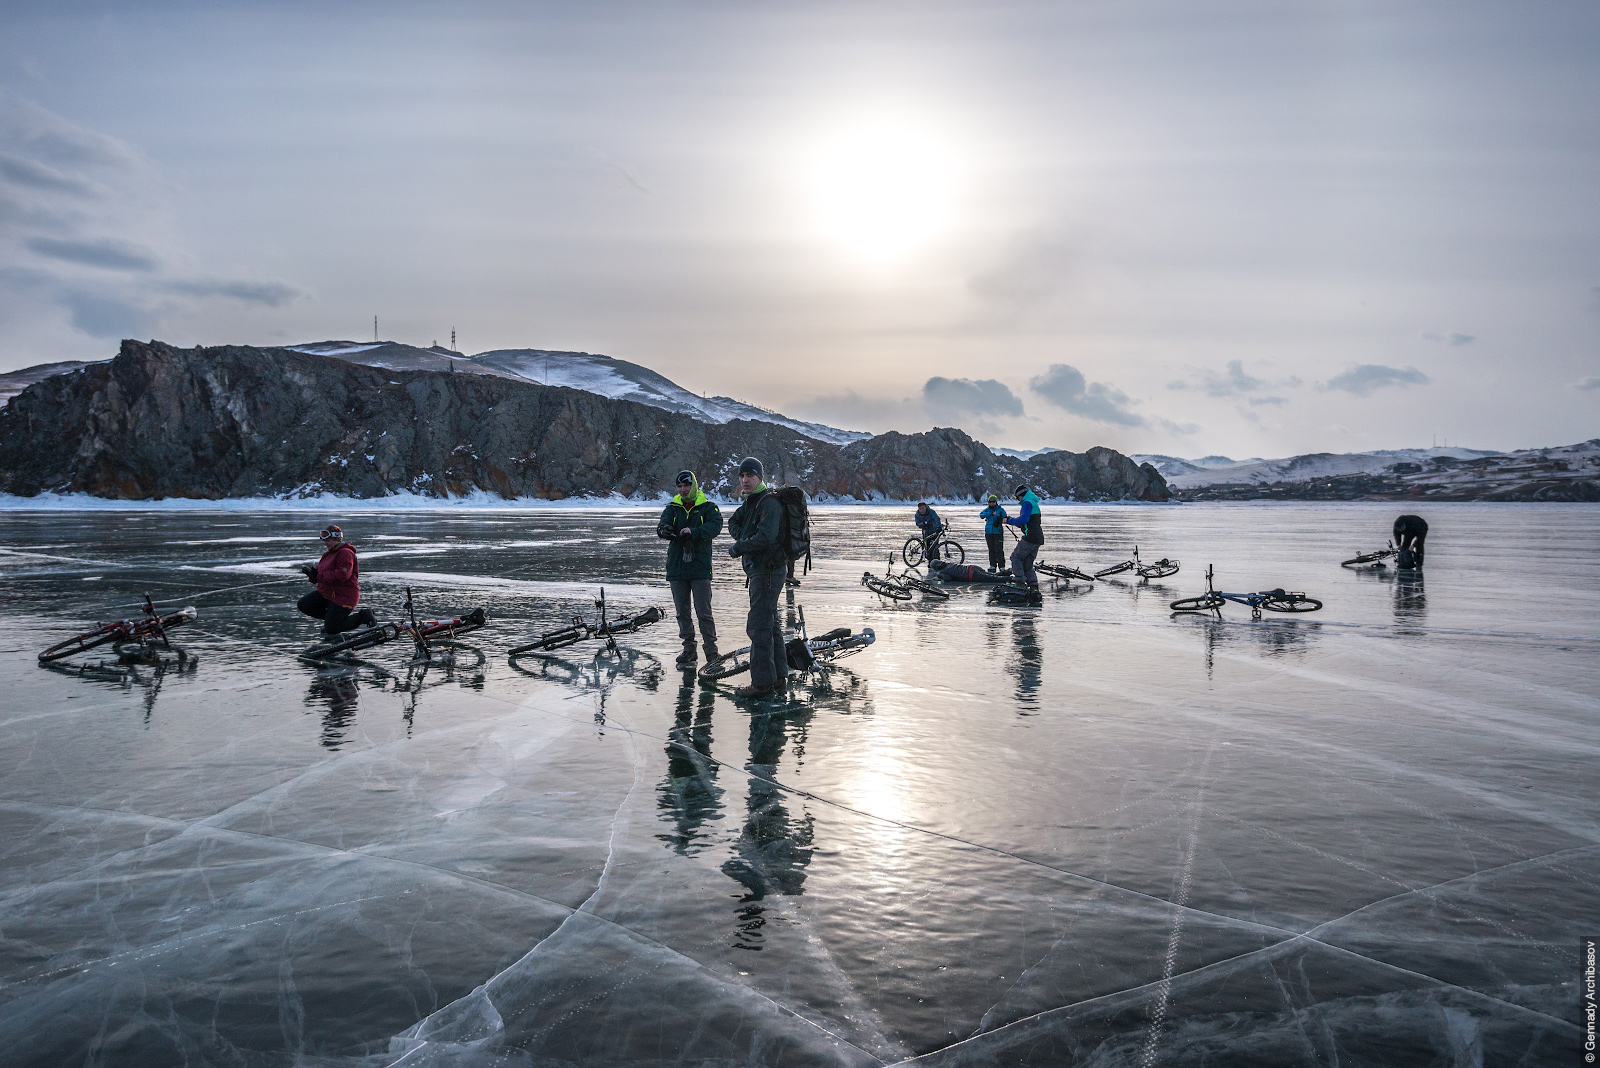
1084, 834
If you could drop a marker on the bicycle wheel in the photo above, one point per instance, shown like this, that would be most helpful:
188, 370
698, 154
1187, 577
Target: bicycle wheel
925, 587
952, 551
82, 642
1159, 569
383, 632
892, 590
1115, 569
555, 639
727, 664
1204, 603
913, 552
1290, 602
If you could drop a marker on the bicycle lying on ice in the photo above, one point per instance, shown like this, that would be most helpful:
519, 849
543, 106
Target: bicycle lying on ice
143, 632
1278, 600
803, 653
444, 630
1160, 569
1064, 573
580, 630
918, 549
900, 587
1372, 561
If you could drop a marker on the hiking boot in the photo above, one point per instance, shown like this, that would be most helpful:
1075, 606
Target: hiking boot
688, 657
365, 618
754, 692
710, 649
1033, 595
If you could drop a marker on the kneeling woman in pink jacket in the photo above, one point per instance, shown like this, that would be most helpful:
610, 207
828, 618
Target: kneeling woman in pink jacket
338, 580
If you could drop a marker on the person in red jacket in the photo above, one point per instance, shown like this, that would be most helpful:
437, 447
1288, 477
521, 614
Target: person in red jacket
338, 580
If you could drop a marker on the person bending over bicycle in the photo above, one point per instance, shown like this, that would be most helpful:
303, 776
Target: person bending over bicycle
931, 526
337, 577
1027, 546
690, 522
994, 532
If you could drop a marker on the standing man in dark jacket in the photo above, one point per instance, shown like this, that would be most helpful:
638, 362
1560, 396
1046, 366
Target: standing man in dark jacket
689, 522
994, 532
1410, 531
1027, 548
931, 525
337, 577
757, 529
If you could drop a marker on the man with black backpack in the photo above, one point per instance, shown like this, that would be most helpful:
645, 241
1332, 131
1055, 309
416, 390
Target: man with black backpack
768, 531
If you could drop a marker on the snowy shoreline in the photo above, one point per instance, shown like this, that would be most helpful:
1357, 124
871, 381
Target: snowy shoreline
406, 502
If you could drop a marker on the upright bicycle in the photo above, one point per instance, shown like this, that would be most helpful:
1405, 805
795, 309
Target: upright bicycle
918, 549
421, 633
1160, 569
1278, 600
143, 632
803, 653
604, 629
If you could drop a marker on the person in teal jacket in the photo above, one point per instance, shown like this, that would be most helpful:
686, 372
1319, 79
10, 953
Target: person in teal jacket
689, 523
1027, 547
994, 532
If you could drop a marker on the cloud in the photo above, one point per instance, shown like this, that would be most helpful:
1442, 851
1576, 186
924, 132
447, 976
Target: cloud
1065, 387
946, 398
1452, 338
35, 175
99, 315
1364, 379
272, 294
105, 253
1258, 401
1592, 382
1231, 383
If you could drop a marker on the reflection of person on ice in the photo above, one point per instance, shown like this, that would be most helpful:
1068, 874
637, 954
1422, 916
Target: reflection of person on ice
1027, 546
994, 532
1410, 531
338, 580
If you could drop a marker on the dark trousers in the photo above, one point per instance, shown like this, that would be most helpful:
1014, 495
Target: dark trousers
997, 548
336, 618
930, 545
695, 592
1022, 562
768, 665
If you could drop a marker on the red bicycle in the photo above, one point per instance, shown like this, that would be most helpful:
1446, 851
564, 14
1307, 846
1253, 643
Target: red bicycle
419, 633
144, 632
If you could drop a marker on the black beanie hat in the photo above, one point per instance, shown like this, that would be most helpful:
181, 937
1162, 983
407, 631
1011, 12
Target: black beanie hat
751, 466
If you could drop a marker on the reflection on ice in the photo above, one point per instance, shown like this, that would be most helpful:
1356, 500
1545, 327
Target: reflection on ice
1079, 833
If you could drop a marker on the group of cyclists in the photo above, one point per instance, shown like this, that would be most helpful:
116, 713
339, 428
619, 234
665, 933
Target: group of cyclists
995, 521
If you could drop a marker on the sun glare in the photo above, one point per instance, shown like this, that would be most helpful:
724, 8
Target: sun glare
882, 187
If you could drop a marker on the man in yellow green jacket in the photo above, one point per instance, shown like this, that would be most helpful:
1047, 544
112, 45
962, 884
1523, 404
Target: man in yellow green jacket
689, 523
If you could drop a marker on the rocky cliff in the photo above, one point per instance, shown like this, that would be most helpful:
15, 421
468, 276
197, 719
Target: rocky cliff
245, 422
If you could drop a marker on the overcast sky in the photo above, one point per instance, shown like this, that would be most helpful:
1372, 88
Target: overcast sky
1178, 227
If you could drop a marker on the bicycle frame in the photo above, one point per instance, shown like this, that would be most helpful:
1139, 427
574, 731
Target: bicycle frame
146, 630
1213, 599
581, 630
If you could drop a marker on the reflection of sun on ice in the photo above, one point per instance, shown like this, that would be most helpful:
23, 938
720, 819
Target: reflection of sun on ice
882, 187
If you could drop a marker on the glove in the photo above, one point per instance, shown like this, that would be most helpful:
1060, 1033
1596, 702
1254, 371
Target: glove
309, 571
733, 550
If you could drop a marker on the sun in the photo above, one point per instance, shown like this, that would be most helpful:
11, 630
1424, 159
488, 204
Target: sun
882, 186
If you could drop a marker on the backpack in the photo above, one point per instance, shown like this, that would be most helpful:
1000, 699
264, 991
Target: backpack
794, 535
1407, 560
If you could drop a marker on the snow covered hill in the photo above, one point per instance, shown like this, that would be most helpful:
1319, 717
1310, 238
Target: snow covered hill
1220, 470
14, 382
592, 373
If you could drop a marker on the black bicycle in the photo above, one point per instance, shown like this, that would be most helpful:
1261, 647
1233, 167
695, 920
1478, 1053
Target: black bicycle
900, 587
802, 653
420, 633
1160, 569
1064, 573
917, 549
1373, 561
143, 632
1278, 600
605, 630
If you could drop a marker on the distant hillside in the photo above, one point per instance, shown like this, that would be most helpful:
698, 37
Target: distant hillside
158, 421
14, 382
608, 377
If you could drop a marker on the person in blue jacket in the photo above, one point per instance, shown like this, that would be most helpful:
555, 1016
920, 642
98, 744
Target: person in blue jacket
994, 532
931, 526
1027, 547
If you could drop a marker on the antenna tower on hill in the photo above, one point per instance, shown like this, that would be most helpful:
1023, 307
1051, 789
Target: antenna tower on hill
374, 328
453, 339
